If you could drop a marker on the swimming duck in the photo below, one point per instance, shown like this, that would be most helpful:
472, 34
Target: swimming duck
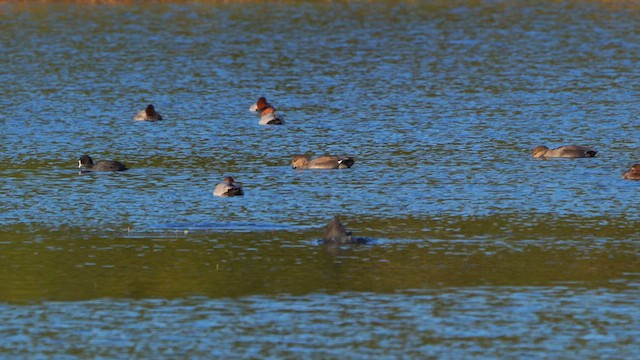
337, 234
633, 174
228, 187
148, 114
323, 162
570, 151
261, 105
271, 118
102, 165
267, 113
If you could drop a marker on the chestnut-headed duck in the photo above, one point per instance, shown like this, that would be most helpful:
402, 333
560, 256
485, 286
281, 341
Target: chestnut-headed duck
633, 174
570, 151
261, 105
148, 114
228, 187
323, 162
267, 113
102, 165
337, 234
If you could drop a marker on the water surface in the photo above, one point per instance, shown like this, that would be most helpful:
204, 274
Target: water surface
478, 251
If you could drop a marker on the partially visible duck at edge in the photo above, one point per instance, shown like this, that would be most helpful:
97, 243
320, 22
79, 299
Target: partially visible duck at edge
148, 114
337, 234
569, 151
227, 188
267, 113
323, 162
633, 174
103, 165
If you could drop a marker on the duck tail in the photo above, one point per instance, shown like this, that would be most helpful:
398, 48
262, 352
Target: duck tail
276, 121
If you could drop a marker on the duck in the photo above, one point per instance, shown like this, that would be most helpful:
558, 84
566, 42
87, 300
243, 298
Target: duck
568, 151
271, 118
102, 165
148, 114
261, 105
267, 113
227, 188
323, 162
337, 234
633, 174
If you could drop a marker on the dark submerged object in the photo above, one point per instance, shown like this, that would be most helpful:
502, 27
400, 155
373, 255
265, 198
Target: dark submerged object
151, 113
337, 234
102, 165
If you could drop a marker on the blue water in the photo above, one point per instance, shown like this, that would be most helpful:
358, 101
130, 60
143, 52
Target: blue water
459, 323
440, 104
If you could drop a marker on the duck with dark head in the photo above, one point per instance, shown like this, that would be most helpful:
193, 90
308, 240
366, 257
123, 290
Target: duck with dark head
86, 162
148, 114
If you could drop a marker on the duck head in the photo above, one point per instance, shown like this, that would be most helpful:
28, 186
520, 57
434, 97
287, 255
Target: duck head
539, 151
150, 110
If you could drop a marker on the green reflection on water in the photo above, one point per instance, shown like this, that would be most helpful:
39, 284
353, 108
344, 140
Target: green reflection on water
501, 250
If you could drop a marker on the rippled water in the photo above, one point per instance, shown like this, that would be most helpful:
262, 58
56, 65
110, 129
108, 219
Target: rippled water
459, 323
478, 249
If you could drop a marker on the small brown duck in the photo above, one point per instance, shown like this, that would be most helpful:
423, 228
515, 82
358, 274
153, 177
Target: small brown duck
227, 188
323, 162
633, 174
569, 151
148, 114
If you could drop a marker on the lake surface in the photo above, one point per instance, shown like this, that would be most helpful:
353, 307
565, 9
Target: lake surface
477, 250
